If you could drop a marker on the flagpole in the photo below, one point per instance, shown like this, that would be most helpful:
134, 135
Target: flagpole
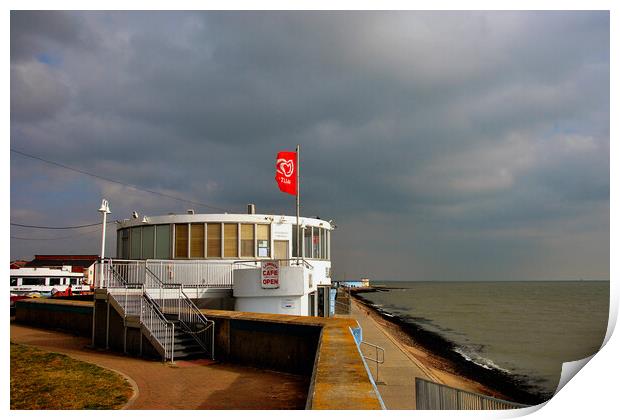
297, 204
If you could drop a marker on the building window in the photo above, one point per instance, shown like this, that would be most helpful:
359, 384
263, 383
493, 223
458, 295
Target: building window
136, 243
162, 241
247, 240
13, 281
180, 240
307, 248
231, 240
73, 281
119, 243
214, 240
263, 241
33, 281
55, 281
197, 246
323, 245
315, 242
329, 239
125, 244
148, 241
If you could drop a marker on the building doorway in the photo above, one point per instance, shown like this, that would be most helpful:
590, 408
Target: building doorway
311, 304
323, 301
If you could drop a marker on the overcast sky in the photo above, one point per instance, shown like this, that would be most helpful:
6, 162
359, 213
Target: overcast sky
446, 146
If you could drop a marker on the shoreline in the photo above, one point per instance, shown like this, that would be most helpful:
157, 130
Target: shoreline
436, 355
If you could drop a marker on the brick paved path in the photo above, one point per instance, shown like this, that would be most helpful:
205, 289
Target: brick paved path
185, 385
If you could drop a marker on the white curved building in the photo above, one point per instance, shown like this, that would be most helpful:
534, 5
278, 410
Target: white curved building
193, 248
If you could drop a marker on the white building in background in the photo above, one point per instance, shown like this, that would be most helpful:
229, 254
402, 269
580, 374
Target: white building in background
44, 280
247, 242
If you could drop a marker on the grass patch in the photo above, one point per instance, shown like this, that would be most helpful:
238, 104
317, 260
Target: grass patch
42, 380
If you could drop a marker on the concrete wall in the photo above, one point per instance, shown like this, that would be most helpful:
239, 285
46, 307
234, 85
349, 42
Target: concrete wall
72, 317
277, 346
291, 298
128, 340
285, 305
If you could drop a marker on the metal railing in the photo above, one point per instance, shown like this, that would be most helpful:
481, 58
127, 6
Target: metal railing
189, 273
147, 296
435, 396
158, 328
343, 301
196, 324
378, 360
202, 274
199, 274
172, 300
127, 298
284, 262
117, 273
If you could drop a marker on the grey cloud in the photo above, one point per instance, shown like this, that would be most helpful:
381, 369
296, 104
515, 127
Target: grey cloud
479, 122
34, 31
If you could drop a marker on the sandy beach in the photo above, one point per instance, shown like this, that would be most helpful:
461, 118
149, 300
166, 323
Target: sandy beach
438, 368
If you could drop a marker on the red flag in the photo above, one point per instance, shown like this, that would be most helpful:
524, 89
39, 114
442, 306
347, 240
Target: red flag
286, 172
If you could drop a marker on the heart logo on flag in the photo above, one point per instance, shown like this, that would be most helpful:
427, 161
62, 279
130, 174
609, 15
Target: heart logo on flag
286, 171
285, 167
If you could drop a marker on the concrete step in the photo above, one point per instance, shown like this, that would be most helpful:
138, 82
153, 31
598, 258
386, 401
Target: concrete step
189, 354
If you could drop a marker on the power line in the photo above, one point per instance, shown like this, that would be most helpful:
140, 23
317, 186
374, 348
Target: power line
117, 182
58, 227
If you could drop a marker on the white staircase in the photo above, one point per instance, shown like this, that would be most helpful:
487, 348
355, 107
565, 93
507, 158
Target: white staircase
167, 316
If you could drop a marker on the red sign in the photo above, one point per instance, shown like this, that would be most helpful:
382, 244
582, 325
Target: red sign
270, 275
286, 172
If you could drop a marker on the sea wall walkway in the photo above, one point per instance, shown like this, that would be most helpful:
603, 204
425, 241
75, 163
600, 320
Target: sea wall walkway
397, 375
339, 379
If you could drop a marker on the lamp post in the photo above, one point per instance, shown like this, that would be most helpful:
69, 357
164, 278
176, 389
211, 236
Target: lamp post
104, 210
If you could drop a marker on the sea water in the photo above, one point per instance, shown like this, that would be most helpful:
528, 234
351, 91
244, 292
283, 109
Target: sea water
525, 329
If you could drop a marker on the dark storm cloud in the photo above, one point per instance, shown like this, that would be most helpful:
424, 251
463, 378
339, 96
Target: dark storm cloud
54, 31
432, 128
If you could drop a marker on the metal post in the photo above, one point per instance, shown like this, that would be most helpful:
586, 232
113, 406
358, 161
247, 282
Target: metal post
297, 202
104, 210
172, 352
377, 359
94, 319
107, 328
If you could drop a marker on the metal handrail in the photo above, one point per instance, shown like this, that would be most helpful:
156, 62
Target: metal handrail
189, 316
108, 267
345, 306
302, 261
376, 359
172, 299
342, 308
435, 396
195, 308
159, 327
196, 273
150, 301
187, 313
